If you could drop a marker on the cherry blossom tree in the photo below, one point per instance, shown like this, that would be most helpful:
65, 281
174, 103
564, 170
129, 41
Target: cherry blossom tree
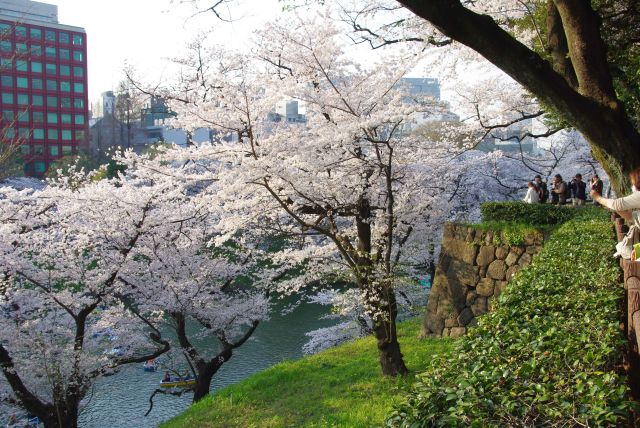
94, 270
217, 294
62, 326
576, 58
356, 194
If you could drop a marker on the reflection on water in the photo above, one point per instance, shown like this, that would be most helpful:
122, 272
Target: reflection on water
120, 401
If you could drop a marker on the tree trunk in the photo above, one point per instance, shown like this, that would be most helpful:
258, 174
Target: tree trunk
206, 371
203, 385
391, 360
67, 418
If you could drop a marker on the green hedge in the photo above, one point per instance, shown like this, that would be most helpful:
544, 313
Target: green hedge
520, 212
547, 355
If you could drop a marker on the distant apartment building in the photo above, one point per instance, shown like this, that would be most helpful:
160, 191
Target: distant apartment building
43, 83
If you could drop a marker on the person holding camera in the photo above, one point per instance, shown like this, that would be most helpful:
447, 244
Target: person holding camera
627, 207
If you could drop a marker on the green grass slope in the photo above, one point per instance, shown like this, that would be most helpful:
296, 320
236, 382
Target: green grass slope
340, 387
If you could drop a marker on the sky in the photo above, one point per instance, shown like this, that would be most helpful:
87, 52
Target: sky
146, 33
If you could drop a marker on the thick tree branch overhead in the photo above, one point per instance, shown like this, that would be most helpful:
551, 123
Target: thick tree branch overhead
592, 106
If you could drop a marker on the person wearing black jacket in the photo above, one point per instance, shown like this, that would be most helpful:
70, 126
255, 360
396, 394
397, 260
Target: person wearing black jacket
578, 190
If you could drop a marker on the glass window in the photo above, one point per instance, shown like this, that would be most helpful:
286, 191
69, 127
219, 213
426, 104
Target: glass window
78, 103
51, 68
78, 88
25, 149
77, 40
8, 115
50, 52
6, 64
38, 149
64, 54
63, 37
36, 67
65, 86
52, 117
36, 50
21, 31
37, 117
52, 134
39, 167
36, 83
35, 33
6, 46
6, 81
79, 119
22, 82
53, 150
79, 135
37, 100
66, 135
50, 36
23, 99
7, 98
21, 65
23, 116
65, 118
24, 132
77, 55
78, 71
65, 70
9, 132
38, 134
52, 85
5, 29
66, 150
65, 102
52, 102
21, 48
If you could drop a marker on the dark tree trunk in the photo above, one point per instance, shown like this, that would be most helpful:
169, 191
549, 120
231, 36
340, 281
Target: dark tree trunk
66, 420
206, 371
391, 360
593, 107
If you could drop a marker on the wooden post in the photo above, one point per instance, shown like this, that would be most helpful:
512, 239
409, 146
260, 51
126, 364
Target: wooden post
632, 286
621, 228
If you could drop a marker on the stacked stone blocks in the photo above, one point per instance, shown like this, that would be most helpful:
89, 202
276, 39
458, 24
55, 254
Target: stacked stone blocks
474, 268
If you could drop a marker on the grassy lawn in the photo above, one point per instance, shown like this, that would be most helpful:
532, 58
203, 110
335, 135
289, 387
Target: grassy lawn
339, 387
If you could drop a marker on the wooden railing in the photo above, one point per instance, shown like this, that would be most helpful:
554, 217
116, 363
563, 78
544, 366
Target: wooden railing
631, 272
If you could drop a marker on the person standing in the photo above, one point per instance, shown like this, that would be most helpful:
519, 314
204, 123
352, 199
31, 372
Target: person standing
627, 207
558, 191
532, 194
578, 190
596, 186
543, 192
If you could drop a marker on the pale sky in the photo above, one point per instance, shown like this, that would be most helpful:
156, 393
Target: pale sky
144, 33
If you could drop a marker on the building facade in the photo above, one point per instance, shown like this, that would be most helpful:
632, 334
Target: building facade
43, 84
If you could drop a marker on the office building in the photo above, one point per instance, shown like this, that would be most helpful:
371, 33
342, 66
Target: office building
43, 83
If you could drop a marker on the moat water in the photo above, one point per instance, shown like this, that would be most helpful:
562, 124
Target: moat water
121, 400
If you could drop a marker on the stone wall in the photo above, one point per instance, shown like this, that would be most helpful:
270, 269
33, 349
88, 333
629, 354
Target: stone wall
474, 268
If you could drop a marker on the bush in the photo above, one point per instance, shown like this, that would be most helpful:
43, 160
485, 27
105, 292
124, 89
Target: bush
547, 355
520, 212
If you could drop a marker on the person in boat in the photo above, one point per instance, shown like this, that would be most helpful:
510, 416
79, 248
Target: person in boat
167, 377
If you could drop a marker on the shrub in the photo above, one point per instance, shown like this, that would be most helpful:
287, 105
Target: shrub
547, 355
520, 212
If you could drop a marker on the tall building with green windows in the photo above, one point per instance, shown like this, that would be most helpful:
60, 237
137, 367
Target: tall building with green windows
43, 84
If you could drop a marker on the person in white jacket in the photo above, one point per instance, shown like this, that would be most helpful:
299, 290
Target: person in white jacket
627, 207
532, 194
